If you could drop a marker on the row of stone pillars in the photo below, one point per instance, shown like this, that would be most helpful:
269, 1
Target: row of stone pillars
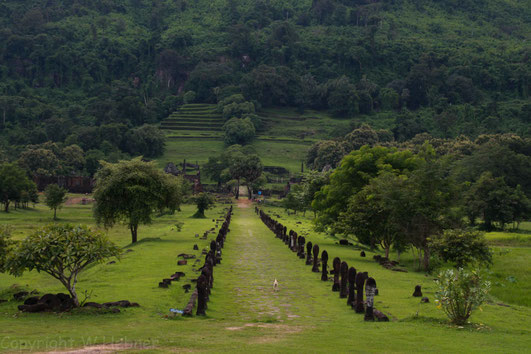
347, 281
205, 282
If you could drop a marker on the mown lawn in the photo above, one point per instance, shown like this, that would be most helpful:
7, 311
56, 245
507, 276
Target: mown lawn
244, 313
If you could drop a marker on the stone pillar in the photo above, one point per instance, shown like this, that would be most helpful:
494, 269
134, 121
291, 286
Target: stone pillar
315, 267
351, 285
370, 289
336, 264
309, 253
360, 280
343, 291
201, 295
324, 262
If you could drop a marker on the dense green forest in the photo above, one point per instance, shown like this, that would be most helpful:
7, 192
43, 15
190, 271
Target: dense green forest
97, 74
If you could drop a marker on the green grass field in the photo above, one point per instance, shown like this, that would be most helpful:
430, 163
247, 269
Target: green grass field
244, 313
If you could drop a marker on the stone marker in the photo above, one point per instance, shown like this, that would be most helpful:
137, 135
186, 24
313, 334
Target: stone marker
360, 280
336, 263
418, 291
309, 253
315, 267
351, 286
370, 288
324, 261
343, 290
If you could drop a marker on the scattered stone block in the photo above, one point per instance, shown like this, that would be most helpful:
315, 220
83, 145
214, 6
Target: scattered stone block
418, 291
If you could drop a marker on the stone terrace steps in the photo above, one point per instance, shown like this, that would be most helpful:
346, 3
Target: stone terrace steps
194, 117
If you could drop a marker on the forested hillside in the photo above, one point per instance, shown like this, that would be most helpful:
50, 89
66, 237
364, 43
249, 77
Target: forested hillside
93, 73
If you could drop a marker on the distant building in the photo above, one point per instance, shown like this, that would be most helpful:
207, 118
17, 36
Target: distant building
195, 180
73, 184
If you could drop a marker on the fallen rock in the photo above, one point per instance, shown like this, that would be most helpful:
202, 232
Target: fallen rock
418, 291
93, 304
20, 295
186, 256
424, 300
31, 300
182, 262
380, 316
121, 303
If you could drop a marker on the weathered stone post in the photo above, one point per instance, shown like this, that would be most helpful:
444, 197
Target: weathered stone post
360, 280
315, 267
324, 262
336, 263
351, 285
201, 295
343, 292
309, 253
370, 289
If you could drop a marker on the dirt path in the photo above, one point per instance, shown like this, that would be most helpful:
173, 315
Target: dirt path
254, 259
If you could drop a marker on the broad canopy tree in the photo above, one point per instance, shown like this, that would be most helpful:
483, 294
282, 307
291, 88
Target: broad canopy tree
132, 191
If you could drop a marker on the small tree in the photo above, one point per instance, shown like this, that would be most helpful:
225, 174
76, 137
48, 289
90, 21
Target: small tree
461, 247
203, 201
132, 191
54, 197
62, 251
459, 292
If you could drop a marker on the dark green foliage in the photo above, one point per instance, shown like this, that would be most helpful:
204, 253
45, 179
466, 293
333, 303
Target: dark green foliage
239, 131
69, 68
495, 202
461, 247
15, 186
146, 140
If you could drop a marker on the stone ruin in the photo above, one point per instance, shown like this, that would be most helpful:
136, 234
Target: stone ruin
309, 253
343, 290
370, 291
324, 261
336, 264
360, 281
205, 282
352, 283
315, 267
351, 286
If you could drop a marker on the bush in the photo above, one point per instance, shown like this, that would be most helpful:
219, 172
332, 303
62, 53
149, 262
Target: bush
460, 291
461, 247
189, 97
239, 131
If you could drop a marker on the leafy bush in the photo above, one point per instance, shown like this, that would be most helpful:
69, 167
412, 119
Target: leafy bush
239, 131
461, 247
189, 97
460, 291
62, 251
